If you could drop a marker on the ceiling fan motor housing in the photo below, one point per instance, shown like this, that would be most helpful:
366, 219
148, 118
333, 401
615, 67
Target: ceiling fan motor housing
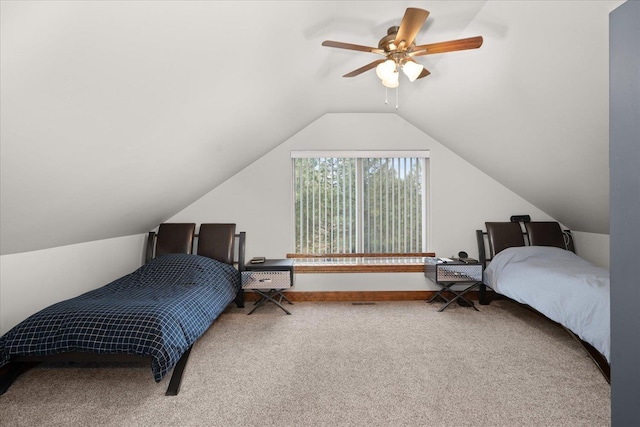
387, 43
391, 49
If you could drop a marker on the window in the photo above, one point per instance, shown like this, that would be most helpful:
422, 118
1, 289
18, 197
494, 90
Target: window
359, 202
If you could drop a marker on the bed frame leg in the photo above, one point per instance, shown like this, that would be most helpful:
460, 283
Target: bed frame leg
240, 299
176, 377
11, 371
483, 298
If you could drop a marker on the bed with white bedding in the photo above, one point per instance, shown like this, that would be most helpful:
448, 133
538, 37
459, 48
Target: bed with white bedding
564, 287
538, 268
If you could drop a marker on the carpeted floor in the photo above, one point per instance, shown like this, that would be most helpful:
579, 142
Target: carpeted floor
339, 364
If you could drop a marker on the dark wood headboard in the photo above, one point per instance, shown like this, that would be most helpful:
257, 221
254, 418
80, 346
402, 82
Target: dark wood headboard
216, 240
502, 235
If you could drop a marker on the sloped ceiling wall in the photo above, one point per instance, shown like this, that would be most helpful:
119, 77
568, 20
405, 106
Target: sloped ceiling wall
116, 115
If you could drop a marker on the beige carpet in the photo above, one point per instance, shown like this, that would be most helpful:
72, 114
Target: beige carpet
338, 364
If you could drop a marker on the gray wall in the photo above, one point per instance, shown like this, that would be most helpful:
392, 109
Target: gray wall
625, 209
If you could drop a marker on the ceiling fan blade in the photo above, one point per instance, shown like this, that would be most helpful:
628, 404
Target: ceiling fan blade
364, 68
410, 25
450, 46
424, 73
349, 46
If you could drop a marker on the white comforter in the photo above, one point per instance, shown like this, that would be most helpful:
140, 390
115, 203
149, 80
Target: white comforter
560, 285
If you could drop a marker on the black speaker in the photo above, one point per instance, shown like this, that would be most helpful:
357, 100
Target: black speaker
520, 218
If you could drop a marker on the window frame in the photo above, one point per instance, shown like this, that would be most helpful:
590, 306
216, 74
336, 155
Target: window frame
363, 154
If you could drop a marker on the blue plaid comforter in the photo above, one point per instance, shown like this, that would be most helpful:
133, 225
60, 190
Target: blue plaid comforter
159, 310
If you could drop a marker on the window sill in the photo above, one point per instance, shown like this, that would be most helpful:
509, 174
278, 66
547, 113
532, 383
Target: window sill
360, 263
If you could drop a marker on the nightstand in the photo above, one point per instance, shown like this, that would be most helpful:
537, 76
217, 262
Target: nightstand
453, 272
269, 279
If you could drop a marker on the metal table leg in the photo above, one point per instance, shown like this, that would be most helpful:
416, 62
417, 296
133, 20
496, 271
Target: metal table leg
457, 295
268, 296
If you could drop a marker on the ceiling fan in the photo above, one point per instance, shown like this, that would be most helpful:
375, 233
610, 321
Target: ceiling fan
398, 48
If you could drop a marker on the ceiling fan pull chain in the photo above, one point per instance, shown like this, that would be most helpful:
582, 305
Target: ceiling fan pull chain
396, 97
386, 96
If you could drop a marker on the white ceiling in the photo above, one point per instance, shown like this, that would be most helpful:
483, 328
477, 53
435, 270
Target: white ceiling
116, 115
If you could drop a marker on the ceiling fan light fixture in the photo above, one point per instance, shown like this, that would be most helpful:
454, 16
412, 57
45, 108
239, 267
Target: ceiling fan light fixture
392, 81
386, 69
412, 70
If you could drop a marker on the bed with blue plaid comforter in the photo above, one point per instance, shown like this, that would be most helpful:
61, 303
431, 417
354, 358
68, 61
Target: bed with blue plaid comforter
157, 311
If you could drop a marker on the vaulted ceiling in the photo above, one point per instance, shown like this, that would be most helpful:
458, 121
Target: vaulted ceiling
116, 115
